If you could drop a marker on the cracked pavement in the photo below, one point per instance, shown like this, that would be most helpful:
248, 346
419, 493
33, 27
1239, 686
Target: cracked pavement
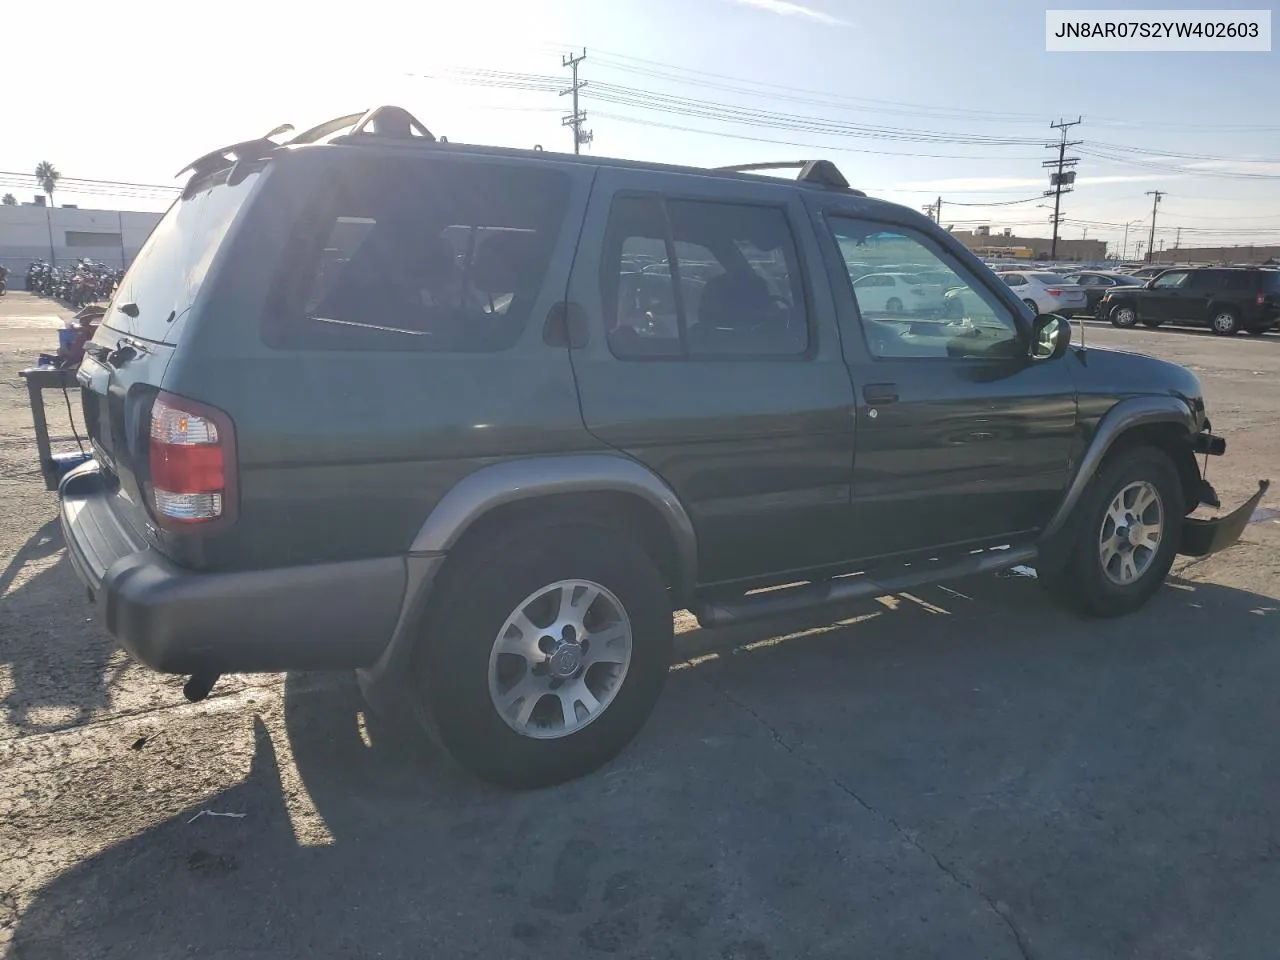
961, 771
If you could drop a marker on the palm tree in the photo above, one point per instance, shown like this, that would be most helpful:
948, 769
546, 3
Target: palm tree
9, 200
48, 176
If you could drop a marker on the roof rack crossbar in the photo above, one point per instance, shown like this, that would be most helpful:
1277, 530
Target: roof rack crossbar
322, 130
822, 172
395, 122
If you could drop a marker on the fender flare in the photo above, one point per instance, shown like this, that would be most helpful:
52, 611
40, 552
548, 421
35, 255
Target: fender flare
1124, 416
384, 682
525, 478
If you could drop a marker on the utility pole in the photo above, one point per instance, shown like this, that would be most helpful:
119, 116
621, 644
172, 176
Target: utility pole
1151, 240
1141, 244
576, 119
933, 211
1062, 179
1177, 241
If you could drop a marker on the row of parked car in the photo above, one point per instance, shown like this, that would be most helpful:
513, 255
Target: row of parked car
1227, 300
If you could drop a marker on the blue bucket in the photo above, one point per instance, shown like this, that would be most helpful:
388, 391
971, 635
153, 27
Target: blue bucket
66, 337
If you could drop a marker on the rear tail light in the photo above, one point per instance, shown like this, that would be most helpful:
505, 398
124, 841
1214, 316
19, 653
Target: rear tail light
193, 470
1054, 291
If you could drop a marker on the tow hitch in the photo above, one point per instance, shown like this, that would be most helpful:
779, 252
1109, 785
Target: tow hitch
198, 686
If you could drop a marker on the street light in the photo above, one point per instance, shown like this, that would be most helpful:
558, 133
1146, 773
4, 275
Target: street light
1124, 247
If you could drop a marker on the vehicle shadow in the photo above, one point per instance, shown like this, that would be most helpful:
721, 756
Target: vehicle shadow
58, 658
967, 772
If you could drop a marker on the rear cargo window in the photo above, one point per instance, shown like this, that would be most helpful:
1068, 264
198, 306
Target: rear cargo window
167, 274
422, 255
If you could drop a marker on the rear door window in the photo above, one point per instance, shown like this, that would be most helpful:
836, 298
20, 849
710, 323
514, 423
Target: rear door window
739, 292
435, 255
172, 265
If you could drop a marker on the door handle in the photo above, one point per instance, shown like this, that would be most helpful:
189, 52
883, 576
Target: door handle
878, 394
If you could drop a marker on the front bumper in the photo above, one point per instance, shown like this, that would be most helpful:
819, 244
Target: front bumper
322, 616
1200, 538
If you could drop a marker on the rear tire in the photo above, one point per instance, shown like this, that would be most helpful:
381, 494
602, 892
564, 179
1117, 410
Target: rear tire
1225, 322
1128, 525
1123, 316
470, 632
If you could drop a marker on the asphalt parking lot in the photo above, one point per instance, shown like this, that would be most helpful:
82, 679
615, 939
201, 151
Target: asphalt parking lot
963, 771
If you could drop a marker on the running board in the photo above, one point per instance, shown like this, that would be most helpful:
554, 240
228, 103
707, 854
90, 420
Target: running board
772, 603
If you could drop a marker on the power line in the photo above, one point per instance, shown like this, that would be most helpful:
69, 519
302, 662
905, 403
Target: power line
622, 118
674, 72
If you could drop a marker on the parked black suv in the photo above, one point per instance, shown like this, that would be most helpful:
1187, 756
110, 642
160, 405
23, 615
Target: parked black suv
475, 420
1225, 299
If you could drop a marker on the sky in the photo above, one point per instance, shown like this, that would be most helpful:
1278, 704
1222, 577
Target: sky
913, 100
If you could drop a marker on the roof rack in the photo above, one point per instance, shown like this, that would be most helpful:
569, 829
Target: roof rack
386, 121
822, 172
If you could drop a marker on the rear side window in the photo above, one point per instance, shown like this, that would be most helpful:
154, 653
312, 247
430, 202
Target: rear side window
172, 265
423, 255
713, 280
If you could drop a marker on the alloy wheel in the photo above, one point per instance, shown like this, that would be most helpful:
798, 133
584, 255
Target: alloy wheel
559, 659
1131, 531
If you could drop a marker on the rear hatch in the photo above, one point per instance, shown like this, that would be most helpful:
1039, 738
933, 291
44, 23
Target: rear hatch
124, 365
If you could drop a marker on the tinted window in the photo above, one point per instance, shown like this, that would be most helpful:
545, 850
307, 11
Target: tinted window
1170, 280
1234, 280
957, 317
1013, 279
434, 255
738, 291
1051, 278
172, 265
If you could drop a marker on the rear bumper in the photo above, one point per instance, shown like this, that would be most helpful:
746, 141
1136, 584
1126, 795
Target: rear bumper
335, 615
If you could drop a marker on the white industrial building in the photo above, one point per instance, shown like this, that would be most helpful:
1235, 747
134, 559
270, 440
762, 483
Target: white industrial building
63, 235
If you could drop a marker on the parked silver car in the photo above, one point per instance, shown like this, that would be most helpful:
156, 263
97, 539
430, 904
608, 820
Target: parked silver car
1046, 292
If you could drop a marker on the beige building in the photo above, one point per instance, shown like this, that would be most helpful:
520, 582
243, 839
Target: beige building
1006, 244
63, 235
1218, 255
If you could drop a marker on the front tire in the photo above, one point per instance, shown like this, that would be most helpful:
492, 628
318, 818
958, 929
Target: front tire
1123, 316
546, 652
1128, 525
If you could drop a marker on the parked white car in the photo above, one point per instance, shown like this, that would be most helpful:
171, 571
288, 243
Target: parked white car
1046, 292
898, 294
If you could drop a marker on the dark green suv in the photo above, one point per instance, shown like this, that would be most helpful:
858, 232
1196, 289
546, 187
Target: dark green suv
1224, 299
474, 421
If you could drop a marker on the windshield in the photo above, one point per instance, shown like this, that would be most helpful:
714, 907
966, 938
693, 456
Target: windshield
171, 266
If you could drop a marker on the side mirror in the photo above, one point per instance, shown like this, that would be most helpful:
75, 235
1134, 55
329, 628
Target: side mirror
1050, 337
